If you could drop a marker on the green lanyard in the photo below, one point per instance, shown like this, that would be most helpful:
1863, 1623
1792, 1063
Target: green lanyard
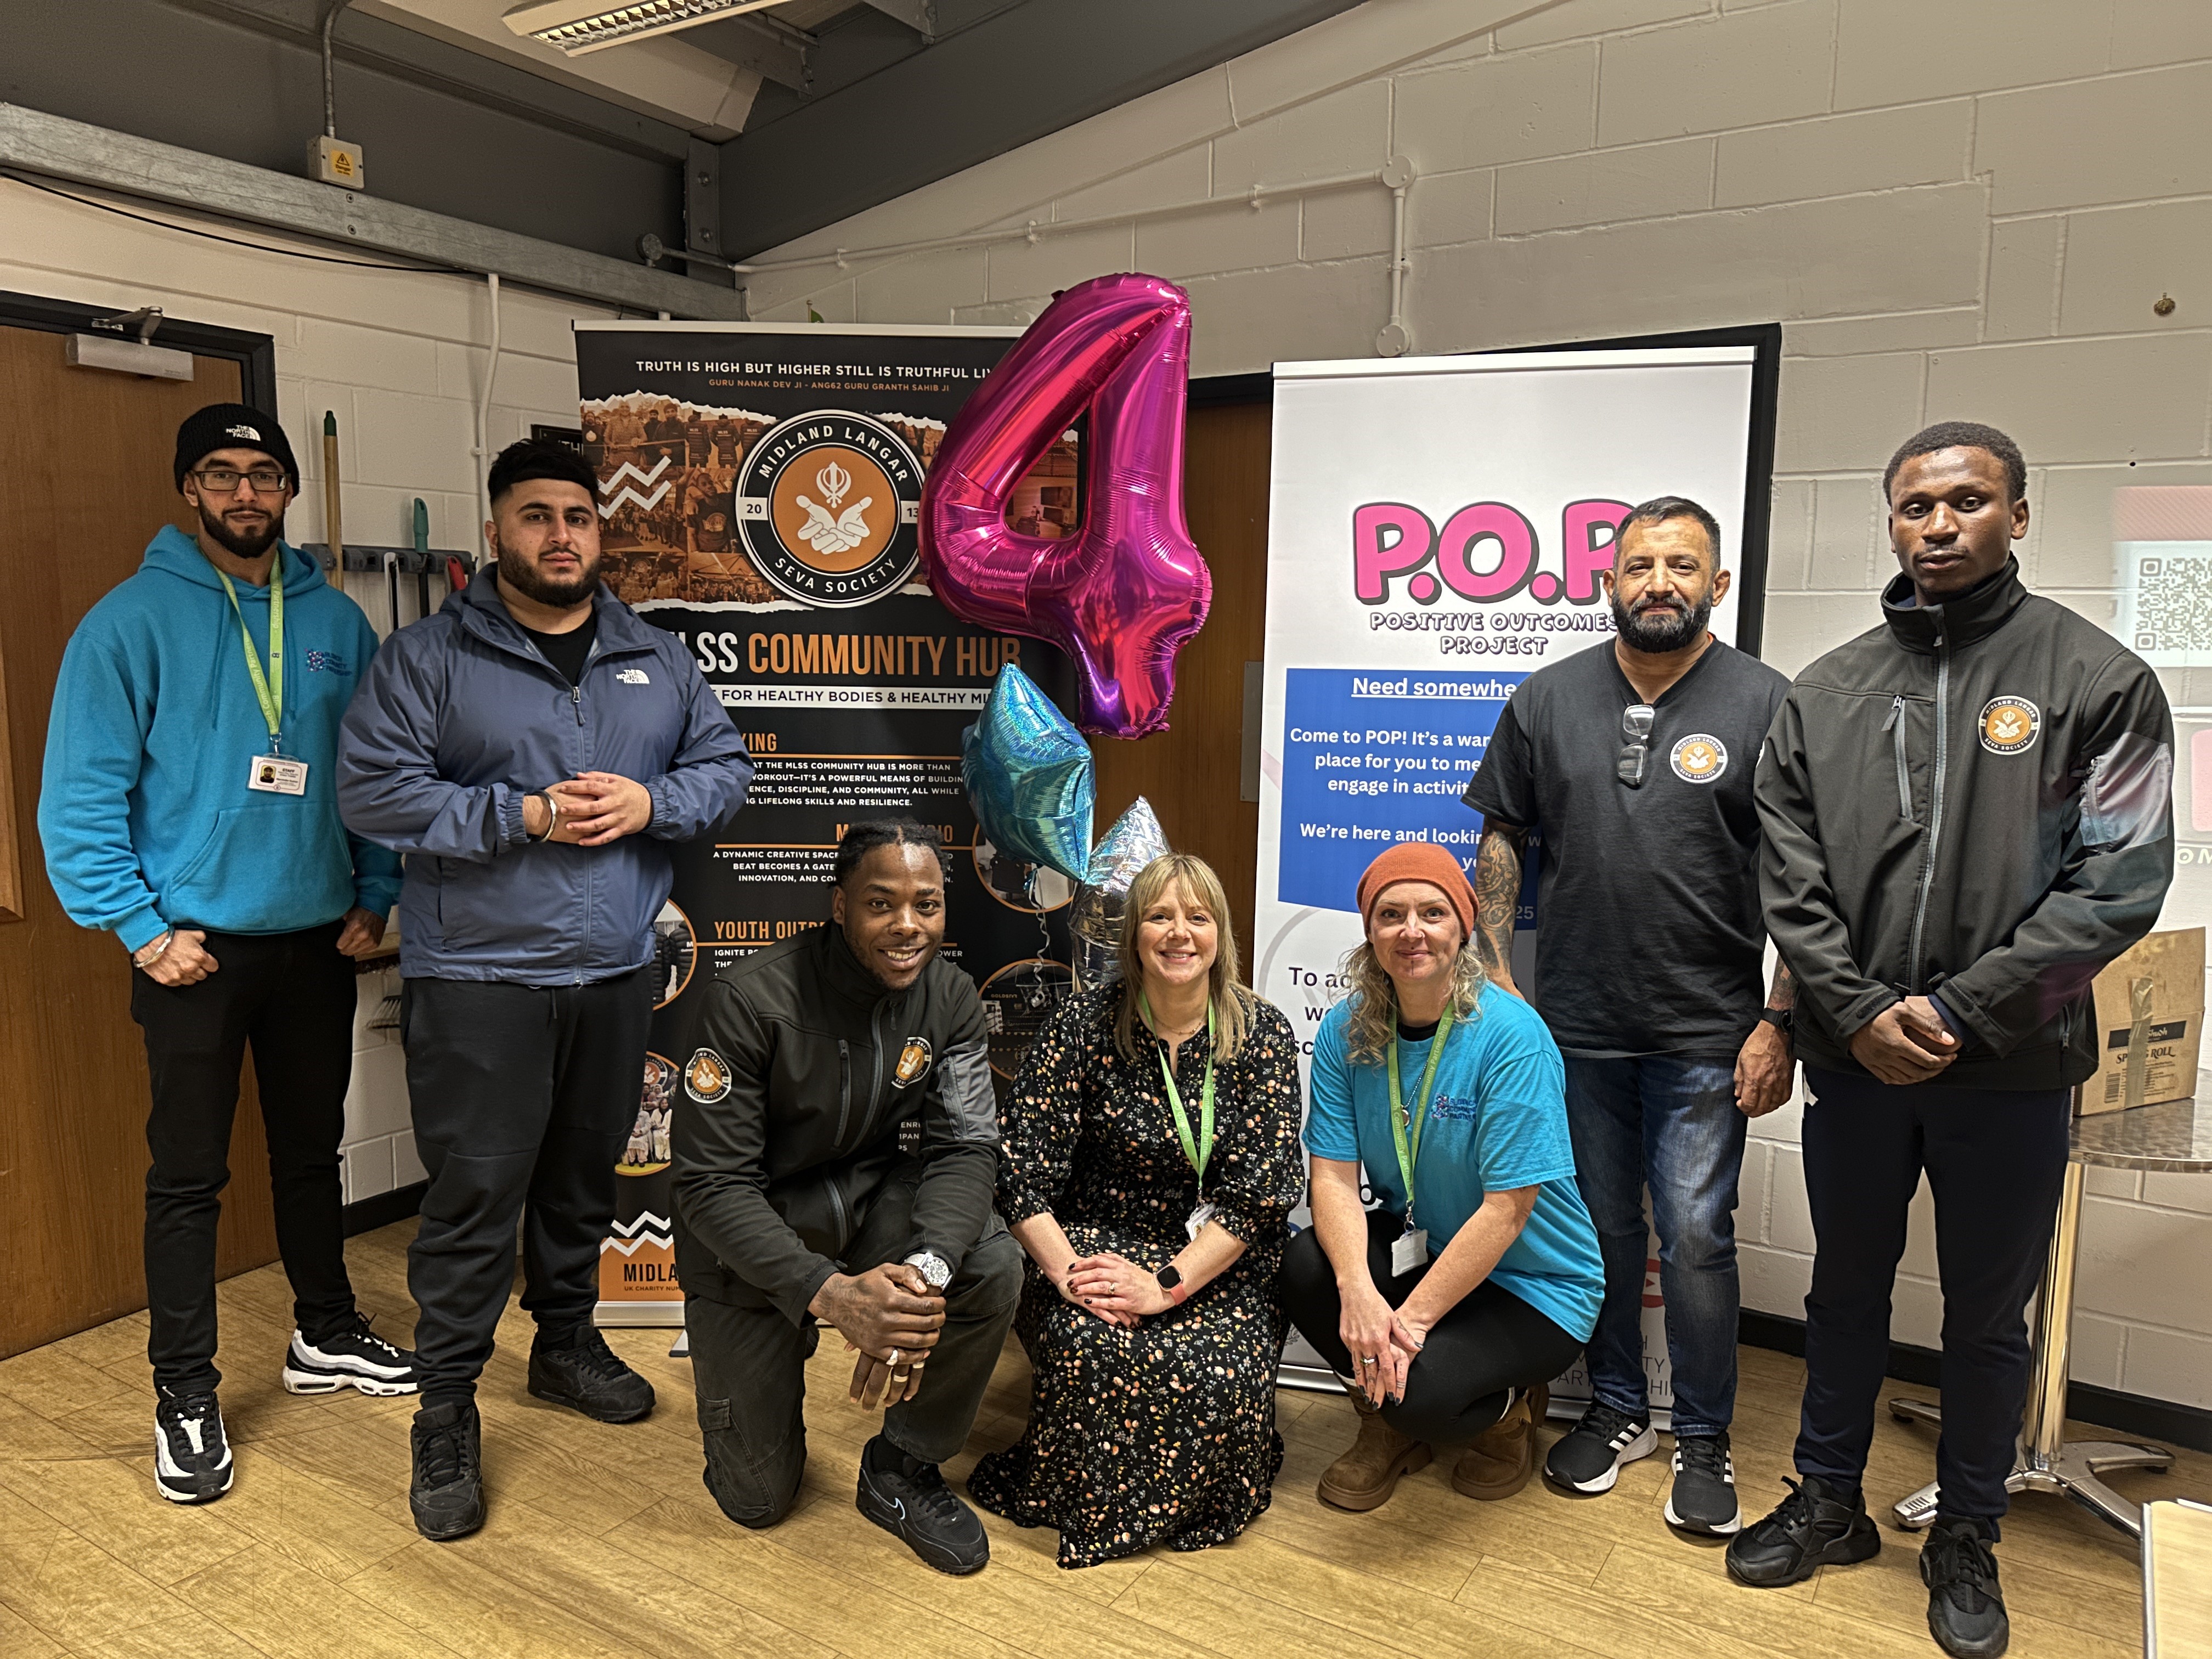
1401, 1120
1191, 1149
268, 688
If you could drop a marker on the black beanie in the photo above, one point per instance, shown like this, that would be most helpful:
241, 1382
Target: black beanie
232, 426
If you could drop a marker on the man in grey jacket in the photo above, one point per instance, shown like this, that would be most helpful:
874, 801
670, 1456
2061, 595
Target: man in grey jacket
533, 748
1967, 814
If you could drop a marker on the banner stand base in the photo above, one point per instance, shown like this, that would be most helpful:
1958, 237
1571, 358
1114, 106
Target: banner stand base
608, 1315
1314, 1379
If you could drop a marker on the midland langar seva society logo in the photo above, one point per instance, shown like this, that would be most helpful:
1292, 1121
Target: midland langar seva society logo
2009, 725
829, 505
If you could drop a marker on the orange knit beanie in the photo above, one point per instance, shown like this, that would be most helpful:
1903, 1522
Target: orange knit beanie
1418, 861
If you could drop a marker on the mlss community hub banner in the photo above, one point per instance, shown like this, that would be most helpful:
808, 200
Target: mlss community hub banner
1436, 529
760, 491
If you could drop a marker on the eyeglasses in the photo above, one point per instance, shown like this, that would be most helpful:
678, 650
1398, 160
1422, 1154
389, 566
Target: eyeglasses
221, 481
1636, 726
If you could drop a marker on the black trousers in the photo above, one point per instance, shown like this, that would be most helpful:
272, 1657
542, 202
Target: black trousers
748, 1365
1995, 1160
1492, 1343
523, 1097
290, 998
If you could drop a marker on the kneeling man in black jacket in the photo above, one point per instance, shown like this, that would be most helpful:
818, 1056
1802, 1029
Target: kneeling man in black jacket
1967, 814
836, 1159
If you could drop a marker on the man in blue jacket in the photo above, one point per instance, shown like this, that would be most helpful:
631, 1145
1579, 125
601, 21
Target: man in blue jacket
534, 749
189, 805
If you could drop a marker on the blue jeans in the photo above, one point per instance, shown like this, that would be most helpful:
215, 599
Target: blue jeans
1670, 1121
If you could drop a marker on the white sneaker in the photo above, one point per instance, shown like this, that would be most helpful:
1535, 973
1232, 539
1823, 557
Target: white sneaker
192, 1453
356, 1358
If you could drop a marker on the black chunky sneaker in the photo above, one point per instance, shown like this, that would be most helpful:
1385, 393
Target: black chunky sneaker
1704, 1499
192, 1453
1808, 1529
579, 1370
355, 1358
446, 1493
908, 1498
1588, 1457
1966, 1609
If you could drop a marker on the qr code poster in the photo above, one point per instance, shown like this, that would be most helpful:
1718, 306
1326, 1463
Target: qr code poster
2162, 558
2166, 602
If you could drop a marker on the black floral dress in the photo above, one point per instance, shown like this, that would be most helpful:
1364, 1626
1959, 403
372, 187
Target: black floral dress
1163, 1433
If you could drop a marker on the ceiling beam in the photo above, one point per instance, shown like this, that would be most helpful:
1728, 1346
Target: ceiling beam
919, 15
1017, 75
54, 147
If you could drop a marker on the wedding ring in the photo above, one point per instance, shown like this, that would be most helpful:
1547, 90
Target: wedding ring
1367, 1360
894, 1359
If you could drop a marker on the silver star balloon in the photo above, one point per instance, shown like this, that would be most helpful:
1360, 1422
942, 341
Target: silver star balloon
1134, 842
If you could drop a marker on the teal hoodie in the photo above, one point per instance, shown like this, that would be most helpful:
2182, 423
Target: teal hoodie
144, 810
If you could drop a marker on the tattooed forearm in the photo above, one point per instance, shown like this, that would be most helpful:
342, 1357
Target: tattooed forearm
1783, 992
1497, 897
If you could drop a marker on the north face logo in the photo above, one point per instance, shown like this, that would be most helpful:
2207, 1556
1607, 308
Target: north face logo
245, 432
633, 676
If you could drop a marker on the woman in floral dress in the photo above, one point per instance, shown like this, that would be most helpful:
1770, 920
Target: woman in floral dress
1150, 1158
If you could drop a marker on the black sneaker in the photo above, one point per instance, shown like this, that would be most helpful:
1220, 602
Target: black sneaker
192, 1453
1810, 1529
908, 1498
1589, 1456
1704, 1497
1966, 1609
446, 1492
355, 1358
585, 1374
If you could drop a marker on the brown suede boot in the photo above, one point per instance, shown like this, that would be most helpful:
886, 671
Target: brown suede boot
1499, 1461
1365, 1477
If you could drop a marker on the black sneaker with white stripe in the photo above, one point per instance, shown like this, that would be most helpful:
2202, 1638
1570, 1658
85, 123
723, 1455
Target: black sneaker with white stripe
192, 1453
1704, 1497
1587, 1458
355, 1358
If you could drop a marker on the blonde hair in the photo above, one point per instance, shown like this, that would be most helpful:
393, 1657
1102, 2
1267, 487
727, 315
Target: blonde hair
1371, 1021
1231, 999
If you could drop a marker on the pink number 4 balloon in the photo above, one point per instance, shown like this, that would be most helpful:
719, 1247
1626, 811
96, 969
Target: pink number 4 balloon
1123, 594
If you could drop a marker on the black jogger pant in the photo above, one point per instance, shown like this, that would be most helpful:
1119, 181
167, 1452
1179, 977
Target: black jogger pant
748, 1365
1493, 1342
523, 1097
1996, 1159
290, 998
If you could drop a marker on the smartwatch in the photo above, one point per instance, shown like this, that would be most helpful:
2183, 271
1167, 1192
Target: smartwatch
1783, 1020
1170, 1277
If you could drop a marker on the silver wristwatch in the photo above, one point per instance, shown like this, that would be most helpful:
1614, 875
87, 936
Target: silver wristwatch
936, 1272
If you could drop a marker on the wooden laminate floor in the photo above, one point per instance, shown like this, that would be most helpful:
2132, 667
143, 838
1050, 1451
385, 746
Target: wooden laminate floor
602, 1540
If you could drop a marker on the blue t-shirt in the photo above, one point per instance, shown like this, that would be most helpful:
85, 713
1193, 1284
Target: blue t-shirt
1497, 1121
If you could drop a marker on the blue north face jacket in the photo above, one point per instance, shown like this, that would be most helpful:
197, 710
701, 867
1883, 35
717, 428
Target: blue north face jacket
461, 717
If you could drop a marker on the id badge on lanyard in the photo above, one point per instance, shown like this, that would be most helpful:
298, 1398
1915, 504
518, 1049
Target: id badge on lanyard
1410, 1250
274, 773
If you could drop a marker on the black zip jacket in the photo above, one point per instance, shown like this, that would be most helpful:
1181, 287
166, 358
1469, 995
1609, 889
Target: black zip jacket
806, 1073
1972, 800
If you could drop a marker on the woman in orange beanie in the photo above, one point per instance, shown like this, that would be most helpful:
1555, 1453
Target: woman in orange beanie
1446, 1311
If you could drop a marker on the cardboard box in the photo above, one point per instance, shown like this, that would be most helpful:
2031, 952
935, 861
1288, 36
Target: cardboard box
2150, 1023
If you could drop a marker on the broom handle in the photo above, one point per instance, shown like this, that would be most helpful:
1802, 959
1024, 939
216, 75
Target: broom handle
333, 532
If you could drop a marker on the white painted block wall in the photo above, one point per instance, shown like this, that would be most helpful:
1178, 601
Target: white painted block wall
1956, 208
400, 356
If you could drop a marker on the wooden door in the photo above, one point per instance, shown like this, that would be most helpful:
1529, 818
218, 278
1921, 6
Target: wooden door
1191, 772
88, 480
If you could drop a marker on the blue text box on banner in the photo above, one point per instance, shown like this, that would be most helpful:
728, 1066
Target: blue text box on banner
1375, 756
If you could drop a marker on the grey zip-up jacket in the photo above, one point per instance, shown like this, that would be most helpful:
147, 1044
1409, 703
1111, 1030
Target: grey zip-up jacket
460, 718
1974, 800
811, 1087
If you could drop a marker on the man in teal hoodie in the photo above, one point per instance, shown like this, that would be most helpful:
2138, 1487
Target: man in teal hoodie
189, 806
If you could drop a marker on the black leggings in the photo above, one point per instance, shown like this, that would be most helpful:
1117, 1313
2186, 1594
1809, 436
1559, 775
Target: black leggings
1460, 1383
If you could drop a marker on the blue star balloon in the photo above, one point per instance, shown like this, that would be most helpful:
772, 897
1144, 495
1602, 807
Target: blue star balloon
1029, 776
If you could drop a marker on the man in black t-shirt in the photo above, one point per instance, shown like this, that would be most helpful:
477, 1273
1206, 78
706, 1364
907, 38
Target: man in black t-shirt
1633, 763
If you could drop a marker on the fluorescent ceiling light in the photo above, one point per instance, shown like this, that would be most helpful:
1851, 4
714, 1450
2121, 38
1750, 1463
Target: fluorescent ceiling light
583, 25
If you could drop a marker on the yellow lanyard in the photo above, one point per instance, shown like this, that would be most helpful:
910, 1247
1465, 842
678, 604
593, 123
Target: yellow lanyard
268, 688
